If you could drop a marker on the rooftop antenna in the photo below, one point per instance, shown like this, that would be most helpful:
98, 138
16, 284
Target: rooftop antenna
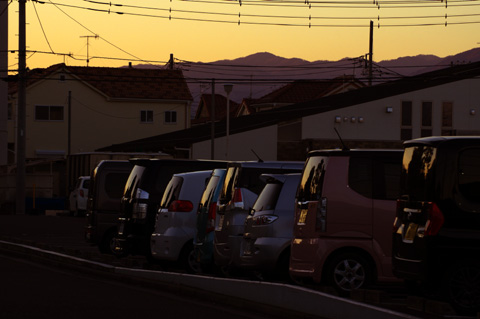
88, 44
259, 159
344, 147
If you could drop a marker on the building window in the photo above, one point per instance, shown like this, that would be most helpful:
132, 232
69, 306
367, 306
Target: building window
171, 117
406, 127
146, 116
48, 113
447, 118
427, 108
10, 111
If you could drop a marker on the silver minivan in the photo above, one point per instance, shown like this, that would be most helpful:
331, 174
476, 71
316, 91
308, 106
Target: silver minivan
269, 227
175, 224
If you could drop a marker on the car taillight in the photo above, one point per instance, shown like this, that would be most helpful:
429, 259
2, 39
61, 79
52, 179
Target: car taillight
139, 210
182, 206
435, 220
264, 220
237, 198
82, 193
212, 214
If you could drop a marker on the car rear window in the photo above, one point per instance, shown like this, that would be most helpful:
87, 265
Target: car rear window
311, 184
267, 200
418, 173
172, 191
229, 185
209, 191
115, 184
469, 174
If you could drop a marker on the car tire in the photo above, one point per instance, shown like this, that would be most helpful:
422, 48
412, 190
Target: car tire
461, 287
184, 259
347, 272
108, 242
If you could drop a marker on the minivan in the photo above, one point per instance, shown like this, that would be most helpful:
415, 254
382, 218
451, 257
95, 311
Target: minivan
172, 238
207, 220
344, 208
239, 192
265, 248
108, 180
140, 201
436, 234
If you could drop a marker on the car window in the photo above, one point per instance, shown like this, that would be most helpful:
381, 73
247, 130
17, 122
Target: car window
310, 188
133, 180
418, 172
469, 174
267, 200
229, 185
172, 191
209, 191
115, 184
86, 183
360, 175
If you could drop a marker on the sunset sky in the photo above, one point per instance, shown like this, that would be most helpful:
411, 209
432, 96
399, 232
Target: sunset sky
211, 30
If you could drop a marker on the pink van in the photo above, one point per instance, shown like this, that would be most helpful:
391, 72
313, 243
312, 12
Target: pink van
344, 211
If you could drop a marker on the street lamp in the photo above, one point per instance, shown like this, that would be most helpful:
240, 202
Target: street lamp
228, 88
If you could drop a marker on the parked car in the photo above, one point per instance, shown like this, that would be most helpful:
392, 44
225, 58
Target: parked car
78, 196
207, 220
269, 227
239, 192
107, 185
436, 239
141, 199
344, 208
172, 238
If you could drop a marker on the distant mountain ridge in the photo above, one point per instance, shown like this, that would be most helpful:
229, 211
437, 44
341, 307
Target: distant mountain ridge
260, 73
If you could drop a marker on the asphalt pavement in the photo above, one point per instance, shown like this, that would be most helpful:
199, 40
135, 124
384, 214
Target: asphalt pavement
58, 239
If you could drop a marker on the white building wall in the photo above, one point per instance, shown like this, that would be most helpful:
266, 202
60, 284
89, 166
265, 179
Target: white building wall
263, 141
379, 125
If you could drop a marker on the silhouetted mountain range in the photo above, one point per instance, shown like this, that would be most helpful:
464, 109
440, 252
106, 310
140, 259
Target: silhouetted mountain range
258, 74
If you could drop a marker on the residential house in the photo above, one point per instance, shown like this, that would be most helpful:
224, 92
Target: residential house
442, 102
74, 109
205, 108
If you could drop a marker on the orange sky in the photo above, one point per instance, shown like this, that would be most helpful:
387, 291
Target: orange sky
208, 30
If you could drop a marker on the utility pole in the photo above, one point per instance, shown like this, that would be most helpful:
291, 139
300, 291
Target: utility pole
370, 55
88, 44
170, 62
212, 117
21, 114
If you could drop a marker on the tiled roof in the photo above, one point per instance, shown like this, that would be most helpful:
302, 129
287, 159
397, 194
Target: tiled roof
185, 138
205, 107
306, 90
122, 83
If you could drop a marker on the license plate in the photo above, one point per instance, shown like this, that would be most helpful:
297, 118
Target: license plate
410, 233
303, 217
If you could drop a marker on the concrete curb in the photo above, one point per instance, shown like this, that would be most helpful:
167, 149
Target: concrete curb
281, 296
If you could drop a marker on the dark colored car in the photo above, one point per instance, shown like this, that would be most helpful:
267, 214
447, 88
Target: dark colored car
436, 239
141, 199
207, 220
240, 190
103, 206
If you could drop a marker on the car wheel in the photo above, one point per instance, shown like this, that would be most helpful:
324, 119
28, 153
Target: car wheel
193, 263
347, 272
462, 287
186, 259
107, 244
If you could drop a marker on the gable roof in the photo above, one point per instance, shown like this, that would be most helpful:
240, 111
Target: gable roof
204, 109
307, 90
120, 83
185, 138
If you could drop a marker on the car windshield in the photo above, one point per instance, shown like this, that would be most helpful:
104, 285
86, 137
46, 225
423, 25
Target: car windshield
418, 173
310, 188
267, 200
